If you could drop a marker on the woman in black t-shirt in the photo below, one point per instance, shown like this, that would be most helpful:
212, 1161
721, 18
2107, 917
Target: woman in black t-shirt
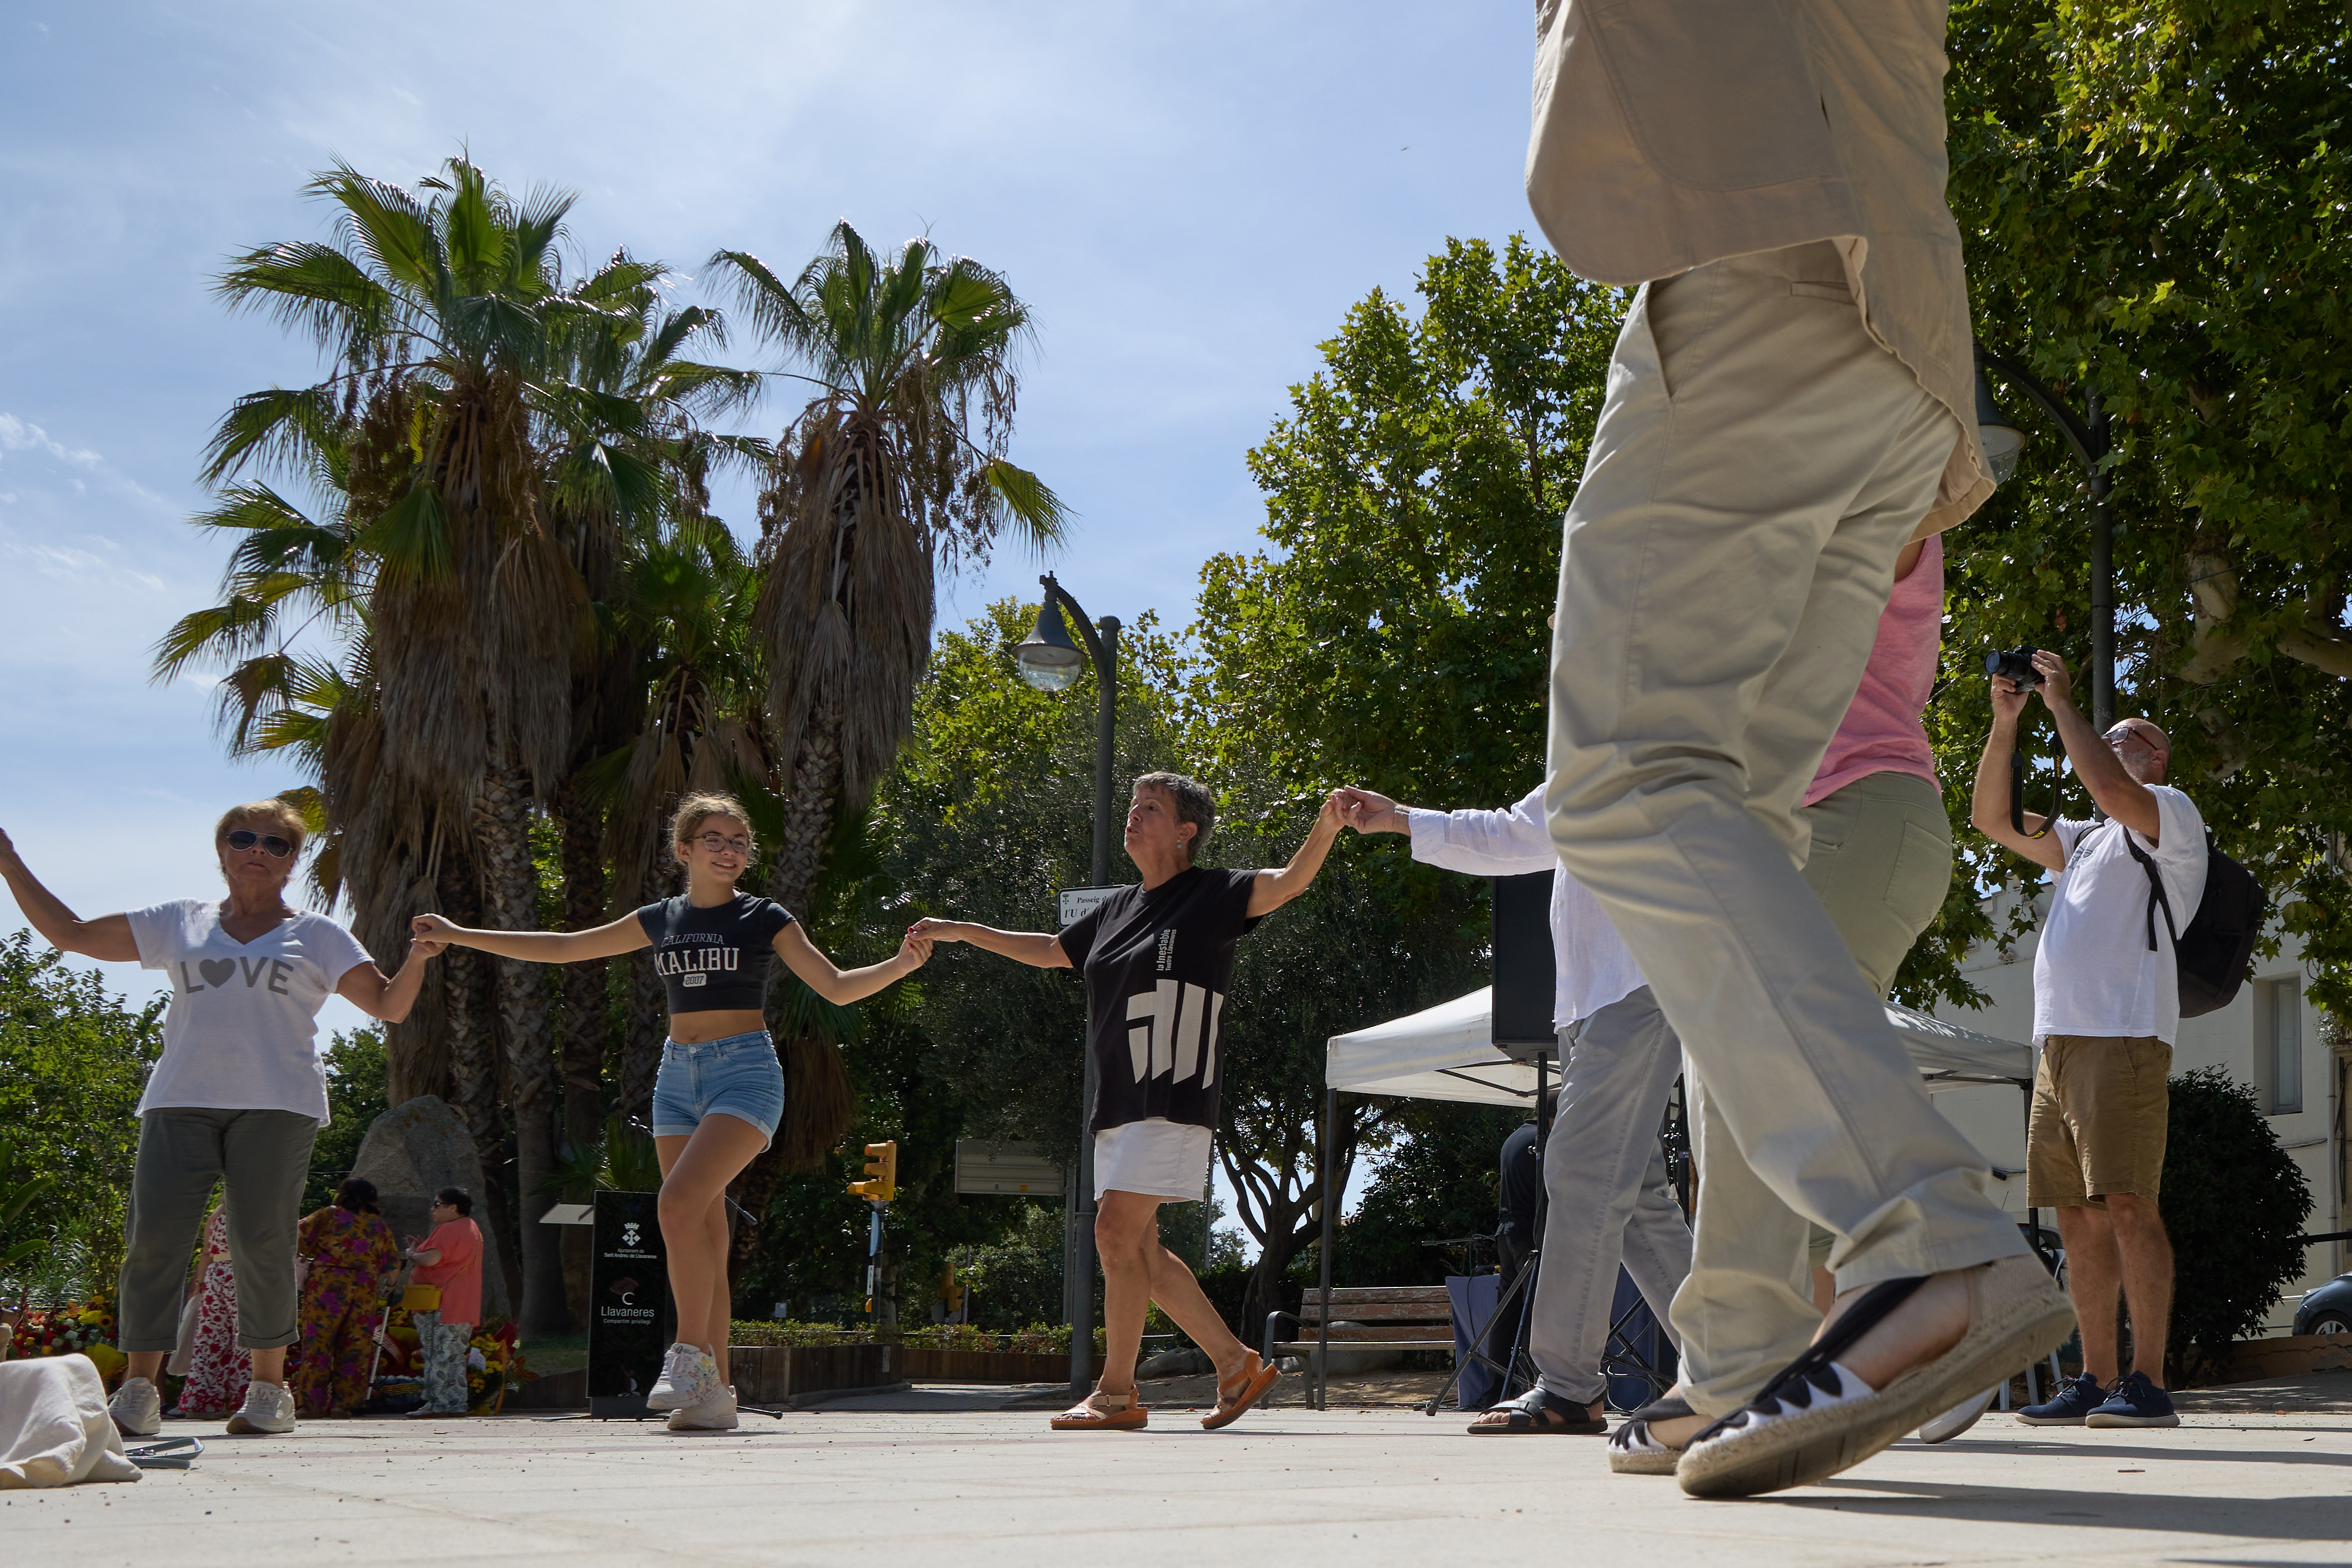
721, 1091
1159, 961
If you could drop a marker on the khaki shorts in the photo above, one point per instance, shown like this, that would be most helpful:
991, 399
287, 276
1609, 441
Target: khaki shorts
2100, 1107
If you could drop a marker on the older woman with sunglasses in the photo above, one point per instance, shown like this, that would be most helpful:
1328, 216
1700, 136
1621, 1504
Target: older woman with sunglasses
238, 1096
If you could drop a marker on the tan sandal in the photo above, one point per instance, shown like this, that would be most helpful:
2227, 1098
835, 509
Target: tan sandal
1248, 1389
1095, 1413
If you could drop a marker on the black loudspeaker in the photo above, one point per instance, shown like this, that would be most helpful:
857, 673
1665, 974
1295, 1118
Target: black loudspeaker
1523, 969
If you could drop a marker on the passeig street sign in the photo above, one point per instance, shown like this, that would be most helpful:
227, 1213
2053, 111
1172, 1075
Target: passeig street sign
1076, 903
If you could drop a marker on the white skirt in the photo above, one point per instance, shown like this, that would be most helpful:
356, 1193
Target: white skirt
1157, 1158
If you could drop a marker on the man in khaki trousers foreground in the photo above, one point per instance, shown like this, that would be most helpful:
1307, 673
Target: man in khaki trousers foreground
1789, 402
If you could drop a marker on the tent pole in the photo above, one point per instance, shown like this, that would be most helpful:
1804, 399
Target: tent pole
1323, 1318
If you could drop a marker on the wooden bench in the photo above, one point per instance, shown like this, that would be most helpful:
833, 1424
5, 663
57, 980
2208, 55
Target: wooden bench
1390, 1316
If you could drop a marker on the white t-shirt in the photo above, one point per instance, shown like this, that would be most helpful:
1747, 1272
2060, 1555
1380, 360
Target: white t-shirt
242, 1030
2093, 972
1590, 968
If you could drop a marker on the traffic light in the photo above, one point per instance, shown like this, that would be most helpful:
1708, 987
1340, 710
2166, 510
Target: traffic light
881, 1182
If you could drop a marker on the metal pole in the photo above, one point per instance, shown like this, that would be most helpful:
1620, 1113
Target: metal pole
2091, 440
2103, 580
1079, 1248
1323, 1318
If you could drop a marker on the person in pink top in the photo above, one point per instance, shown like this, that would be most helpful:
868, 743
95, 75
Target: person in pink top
450, 1258
1881, 862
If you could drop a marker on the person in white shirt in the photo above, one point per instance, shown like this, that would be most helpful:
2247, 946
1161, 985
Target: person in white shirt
1608, 1197
2107, 1005
238, 1097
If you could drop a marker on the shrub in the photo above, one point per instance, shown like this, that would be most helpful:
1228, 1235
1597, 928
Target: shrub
2235, 1204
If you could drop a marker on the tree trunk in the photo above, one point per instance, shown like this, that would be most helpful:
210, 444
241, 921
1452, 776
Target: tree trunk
818, 1103
467, 1008
511, 900
648, 1020
587, 1023
587, 1014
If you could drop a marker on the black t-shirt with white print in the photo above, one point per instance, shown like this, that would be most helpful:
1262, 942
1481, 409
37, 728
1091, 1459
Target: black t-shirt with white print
1157, 964
714, 960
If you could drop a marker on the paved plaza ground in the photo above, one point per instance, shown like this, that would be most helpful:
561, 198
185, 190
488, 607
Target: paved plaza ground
2260, 1474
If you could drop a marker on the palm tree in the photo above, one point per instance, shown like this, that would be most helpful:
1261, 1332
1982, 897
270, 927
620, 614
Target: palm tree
487, 416
895, 468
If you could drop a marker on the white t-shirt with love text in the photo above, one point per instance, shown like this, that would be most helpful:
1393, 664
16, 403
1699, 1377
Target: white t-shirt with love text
242, 1030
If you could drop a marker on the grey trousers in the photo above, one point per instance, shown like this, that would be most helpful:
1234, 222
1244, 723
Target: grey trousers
263, 1157
1881, 862
1607, 1196
1758, 463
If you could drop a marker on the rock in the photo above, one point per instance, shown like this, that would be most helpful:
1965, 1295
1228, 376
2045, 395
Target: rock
1184, 1362
413, 1151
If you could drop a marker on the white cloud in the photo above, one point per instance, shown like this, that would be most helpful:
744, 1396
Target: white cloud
17, 435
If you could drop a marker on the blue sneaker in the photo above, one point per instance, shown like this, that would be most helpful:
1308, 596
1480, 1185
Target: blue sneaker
2135, 1402
2076, 1398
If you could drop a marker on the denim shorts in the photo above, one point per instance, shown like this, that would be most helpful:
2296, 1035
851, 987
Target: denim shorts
738, 1074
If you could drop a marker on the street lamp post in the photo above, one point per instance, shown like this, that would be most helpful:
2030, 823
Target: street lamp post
1048, 661
2091, 441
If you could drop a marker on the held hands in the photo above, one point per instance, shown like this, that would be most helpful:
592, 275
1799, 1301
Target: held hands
931, 930
433, 934
1369, 812
915, 950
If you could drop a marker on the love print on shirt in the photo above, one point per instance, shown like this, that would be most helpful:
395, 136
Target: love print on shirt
218, 971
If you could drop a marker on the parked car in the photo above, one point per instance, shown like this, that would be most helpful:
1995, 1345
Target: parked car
2328, 1309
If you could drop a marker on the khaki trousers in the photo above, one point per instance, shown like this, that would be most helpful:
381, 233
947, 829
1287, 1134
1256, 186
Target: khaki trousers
1881, 863
1759, 464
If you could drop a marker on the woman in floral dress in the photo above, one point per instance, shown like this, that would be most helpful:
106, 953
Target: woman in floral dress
352, 1257
217, 1369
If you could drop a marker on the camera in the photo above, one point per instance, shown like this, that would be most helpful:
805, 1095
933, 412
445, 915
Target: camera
2017, 663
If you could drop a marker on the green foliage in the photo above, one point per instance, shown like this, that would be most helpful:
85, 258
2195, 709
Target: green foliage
73, 1061
1018, 1279
355, 1097
1414, 495
1443, 1181
2155, 196
2234, 1205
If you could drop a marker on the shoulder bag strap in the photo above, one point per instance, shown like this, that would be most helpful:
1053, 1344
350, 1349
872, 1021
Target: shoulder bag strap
2156, 894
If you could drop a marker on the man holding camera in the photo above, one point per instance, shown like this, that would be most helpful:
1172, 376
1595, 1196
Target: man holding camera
2106, 1005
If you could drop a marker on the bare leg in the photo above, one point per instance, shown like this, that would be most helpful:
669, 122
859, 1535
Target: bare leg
148, 1365
1127, 1232
1178, 1294
2146, 1253
1825, 1290
2094, 1277
694, 1173
269, 1365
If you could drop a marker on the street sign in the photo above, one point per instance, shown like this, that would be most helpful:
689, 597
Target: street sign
982, 1167
1076, 903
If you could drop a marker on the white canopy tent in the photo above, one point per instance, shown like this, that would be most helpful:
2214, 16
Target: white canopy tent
1445, 1053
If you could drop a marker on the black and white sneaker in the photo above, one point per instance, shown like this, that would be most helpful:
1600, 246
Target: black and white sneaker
688, 1377
1635, 1450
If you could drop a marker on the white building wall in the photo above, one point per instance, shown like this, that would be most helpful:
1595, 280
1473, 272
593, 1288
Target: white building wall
2236, 1038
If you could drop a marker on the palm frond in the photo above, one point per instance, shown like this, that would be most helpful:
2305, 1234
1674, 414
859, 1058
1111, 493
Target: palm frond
281, 426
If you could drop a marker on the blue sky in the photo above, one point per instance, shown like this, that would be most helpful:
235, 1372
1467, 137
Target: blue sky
1190, 196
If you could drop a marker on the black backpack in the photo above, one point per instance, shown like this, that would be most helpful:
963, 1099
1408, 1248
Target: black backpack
2215, 954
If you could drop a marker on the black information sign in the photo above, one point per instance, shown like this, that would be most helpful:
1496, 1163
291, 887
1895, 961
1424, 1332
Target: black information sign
631, 1324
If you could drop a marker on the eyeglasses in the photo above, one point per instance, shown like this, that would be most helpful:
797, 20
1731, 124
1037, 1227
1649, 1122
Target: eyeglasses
718, 846
246, 838
2117, 736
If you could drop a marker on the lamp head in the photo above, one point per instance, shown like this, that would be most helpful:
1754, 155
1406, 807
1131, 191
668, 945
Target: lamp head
2002, 438
1048, 659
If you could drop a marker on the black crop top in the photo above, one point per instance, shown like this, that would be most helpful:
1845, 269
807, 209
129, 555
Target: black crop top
714, 960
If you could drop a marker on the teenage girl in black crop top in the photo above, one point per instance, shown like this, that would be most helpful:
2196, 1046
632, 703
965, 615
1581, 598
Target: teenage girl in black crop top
721, 1091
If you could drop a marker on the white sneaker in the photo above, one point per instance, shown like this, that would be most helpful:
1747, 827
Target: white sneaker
716, 1414
268, 1411
688, 1377
1957, 1419
137, 1408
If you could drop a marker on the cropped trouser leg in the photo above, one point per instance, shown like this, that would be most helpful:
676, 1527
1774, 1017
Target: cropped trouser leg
1759, 464
1606, 1192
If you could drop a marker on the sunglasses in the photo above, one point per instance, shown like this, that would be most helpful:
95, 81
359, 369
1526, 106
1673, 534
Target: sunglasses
246, 838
